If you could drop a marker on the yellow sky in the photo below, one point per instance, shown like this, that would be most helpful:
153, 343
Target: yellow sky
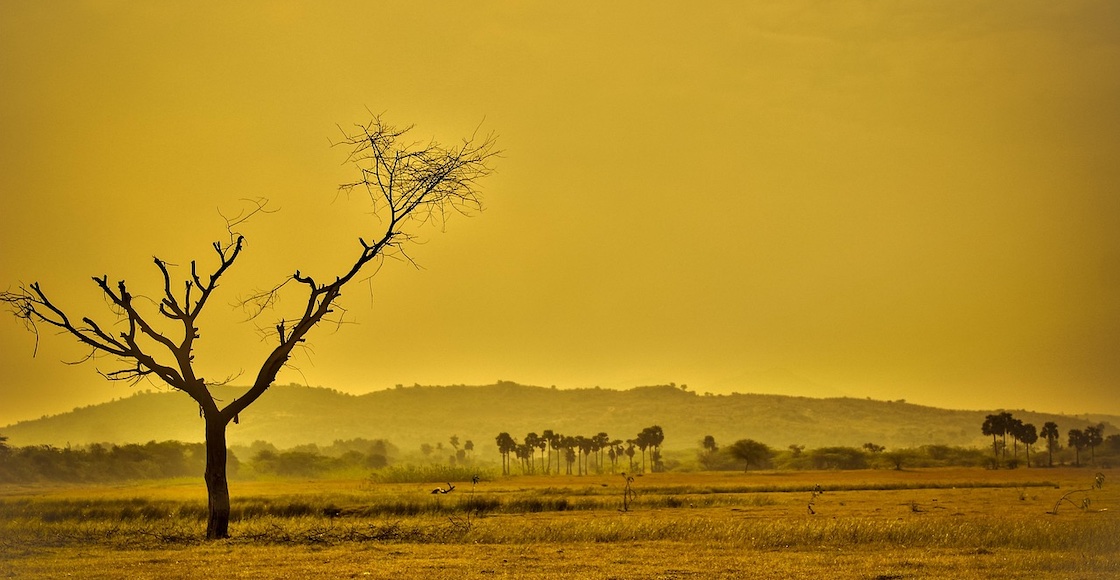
886, 200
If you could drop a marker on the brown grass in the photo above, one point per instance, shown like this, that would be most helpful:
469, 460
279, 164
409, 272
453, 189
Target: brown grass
959, 523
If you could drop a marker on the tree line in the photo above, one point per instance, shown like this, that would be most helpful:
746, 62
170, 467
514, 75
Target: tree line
745, 454
462, 454
102, 462
579, 451
1004, 425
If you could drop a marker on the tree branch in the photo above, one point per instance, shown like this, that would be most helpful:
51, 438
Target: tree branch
409, 185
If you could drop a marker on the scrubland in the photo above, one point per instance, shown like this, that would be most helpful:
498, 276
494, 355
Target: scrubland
928, 523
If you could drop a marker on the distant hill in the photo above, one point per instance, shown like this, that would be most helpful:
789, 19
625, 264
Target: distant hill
409, 416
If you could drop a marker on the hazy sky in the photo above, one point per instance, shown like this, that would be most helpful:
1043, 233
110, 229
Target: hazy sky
914, 200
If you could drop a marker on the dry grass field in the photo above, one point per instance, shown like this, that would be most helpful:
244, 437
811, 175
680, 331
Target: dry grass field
875, 524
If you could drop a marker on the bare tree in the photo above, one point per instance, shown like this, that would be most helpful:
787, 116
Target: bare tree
408, 183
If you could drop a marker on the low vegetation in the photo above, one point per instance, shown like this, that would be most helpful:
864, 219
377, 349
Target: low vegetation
958, 522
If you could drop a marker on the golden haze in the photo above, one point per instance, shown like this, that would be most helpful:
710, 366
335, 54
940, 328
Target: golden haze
896, 201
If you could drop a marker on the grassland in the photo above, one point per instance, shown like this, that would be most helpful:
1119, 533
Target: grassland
936, 523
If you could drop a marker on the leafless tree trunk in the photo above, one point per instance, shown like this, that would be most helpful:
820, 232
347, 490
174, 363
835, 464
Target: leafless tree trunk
409, 184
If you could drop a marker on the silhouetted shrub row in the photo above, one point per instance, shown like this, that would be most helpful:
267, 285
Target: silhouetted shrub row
823, 458
103, 462
354, 455
168, 459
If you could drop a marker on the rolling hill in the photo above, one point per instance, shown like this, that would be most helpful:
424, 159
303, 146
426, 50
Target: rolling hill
409, 416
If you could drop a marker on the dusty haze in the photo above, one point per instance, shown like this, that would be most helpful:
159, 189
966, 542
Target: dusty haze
912, 201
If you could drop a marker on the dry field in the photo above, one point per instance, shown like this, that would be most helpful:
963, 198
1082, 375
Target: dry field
875, 524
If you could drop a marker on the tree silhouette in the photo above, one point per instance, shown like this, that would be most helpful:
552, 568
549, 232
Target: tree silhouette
1051, 434
642, 441
506, 444
1078, 440
585, 445
1015, 430
656, 438
600, 442
1093, 438
525, 452
997, 425
570, 453
408, 185
750, 452
1028, 435
650, 438
616, 453
874, 448
709, 445
532, 440
542, 444
549, 438
1007, 426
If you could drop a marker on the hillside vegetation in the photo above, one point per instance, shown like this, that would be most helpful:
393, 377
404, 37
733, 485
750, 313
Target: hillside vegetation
408, 417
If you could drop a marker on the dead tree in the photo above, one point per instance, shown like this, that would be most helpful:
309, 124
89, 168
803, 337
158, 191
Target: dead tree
408, 183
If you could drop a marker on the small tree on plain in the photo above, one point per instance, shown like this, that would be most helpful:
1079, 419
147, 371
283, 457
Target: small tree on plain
750, 452
710, 447
409, 184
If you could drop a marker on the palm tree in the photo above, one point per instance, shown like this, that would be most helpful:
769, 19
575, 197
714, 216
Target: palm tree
994, 425
1006, 422
570, 454
1014, 429
602, 441
549, 439
656, 438
531, 440
750, 451
643, 443
586, 444
1050, 432
569, 445
616, 453
1093, 437
1078, 441
525, 453
580, 443
557, 443
506, 444
650, 438
1028, 435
